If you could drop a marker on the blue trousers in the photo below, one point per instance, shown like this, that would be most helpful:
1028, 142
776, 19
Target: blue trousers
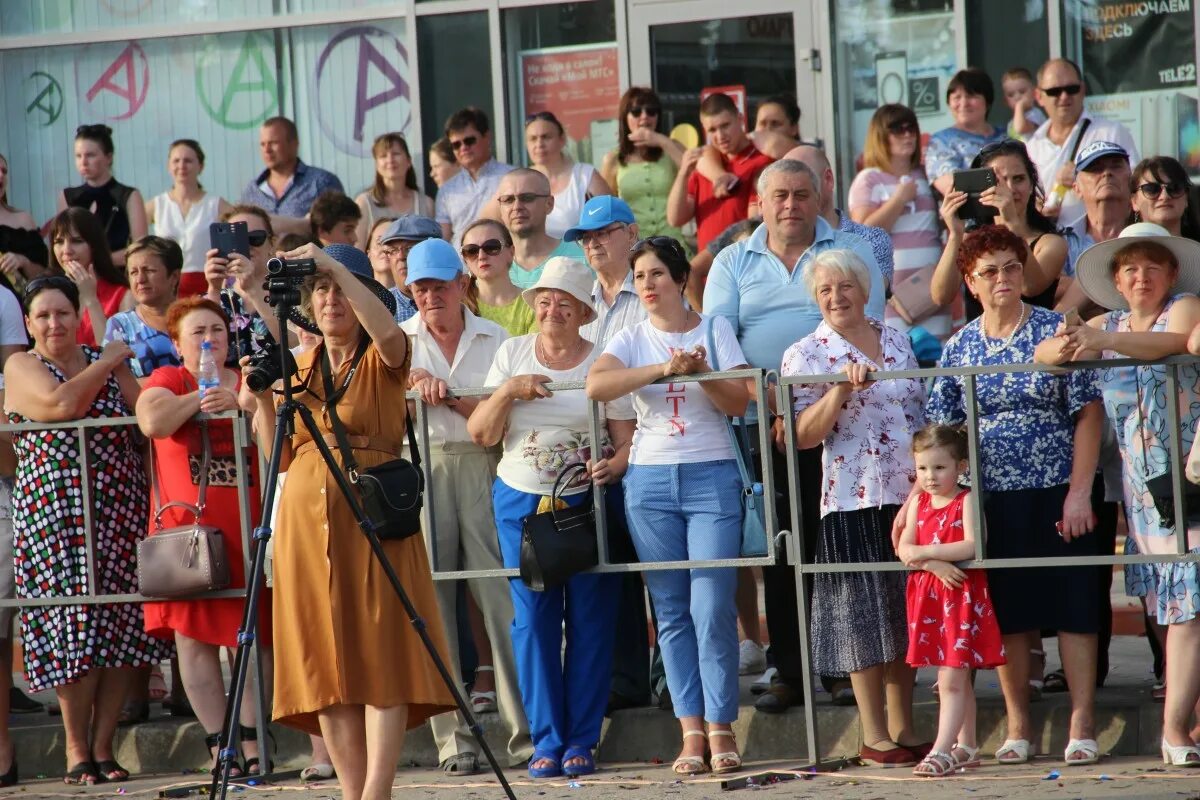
565, 695
681, 512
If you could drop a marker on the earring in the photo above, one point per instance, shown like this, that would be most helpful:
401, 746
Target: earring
1137, 216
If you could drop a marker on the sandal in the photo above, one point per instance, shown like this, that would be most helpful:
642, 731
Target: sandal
1056, 682
1020, 749
576, 770
1187, 755
110, 770
971, 758
1037, 685
134, 713
317, 772
156, 688
213, 740
483, 702
460, 764
552, 771
731, 755
82, 774
935, 765
1089, 749
249, 733
688, 766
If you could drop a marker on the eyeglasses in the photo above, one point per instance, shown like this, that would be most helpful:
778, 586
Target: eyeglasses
655, 242
902, 128
466, 141
991, 273
1153, 189
257, 238
525, 197
1071, 88
491, 247
589, 238
46, 282
649, 111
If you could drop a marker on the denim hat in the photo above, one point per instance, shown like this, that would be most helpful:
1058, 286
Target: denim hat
1096, 150
566, 275
433, 258
359, 265
1093, 268
412, 228
600, 212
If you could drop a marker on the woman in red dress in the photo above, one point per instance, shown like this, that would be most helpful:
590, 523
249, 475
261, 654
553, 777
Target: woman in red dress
169, 402
951, 623
79, 251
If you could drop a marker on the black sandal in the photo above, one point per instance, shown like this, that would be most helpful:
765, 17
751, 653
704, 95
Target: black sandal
1056, 682
214, 740
82, 774
249, 733
110, 770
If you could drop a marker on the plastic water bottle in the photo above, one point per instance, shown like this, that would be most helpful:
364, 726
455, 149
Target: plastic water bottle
210, 374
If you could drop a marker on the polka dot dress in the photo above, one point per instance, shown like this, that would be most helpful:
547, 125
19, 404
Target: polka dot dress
63, 643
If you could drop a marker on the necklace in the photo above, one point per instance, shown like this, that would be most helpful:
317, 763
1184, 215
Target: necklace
1007, 341
540, 352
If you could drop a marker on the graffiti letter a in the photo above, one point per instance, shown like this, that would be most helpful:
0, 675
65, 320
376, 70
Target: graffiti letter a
367, 56
251, 93
131, 92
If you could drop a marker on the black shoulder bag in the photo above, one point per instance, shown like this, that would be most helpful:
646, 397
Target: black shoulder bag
559, 543
392, 492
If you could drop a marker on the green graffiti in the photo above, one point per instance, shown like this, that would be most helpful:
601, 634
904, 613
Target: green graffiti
251, 93
49, 97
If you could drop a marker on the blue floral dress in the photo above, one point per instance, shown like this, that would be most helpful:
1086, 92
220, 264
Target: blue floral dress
1135, 401
953, 148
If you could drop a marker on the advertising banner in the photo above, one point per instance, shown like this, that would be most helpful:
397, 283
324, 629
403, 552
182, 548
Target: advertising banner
579, 84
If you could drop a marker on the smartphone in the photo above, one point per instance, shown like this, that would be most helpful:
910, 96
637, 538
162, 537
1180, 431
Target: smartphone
229, 237
975, 182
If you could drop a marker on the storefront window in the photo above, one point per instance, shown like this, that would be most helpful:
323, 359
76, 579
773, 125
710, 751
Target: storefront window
1026, 43
890, 51
1139, 61
563, 59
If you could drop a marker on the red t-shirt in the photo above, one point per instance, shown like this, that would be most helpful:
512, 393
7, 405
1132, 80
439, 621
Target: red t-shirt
714, 215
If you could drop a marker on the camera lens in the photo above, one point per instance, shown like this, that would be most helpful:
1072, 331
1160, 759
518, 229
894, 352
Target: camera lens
275, 266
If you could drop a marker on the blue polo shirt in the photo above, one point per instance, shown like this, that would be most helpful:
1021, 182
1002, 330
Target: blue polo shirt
769, 306
307, 183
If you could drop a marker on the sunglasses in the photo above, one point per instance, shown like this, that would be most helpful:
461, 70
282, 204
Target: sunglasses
525, 197
902, 128
46, 282
1003, 144
1153, 189
257, 238
991, 273
649, 111
466, 141
1071, 88
655, 242
491, 247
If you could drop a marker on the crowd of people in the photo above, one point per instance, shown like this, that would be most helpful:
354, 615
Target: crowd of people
664, 262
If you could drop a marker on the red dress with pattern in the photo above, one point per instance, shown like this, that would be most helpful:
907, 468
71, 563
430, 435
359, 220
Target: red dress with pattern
950, 627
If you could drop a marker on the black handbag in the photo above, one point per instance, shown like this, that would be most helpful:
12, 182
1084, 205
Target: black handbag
559, 543
1163, 492
392, 492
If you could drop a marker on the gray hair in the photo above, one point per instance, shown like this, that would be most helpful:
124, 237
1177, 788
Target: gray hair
844, 263
788, 166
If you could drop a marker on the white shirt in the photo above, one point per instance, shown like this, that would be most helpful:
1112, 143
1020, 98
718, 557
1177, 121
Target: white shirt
12, 321
625, 312
550, 433
676, 422
191, 232
473, 358
570, 201
1049, 157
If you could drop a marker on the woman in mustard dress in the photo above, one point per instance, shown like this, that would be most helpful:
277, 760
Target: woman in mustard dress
349, 666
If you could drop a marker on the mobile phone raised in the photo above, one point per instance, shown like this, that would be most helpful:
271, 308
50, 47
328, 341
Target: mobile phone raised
975, 182
229, 237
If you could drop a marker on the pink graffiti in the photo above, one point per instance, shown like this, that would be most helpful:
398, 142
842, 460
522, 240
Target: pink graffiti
133, 93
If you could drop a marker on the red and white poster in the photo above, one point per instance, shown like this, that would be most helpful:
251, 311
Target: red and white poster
735, 93
577, 84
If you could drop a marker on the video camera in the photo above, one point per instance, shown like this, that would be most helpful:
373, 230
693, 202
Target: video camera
284, 277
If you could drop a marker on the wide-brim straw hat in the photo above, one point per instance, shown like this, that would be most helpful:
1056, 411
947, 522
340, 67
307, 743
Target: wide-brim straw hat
359, 265
566, 275
1093, 269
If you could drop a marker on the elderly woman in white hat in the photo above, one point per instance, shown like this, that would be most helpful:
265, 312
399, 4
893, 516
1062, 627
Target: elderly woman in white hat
543, 434
1149, 279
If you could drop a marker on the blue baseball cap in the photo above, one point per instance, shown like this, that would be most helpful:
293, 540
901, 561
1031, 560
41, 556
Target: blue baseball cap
1096, 151
412, 228
433, 258
600, 212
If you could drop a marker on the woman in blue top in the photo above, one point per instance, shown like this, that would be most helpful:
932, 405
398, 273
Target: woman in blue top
1149, 279
154, 266
1039, 436
969, 96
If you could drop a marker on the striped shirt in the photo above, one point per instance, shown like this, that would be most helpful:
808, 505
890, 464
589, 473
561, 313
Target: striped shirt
625, 312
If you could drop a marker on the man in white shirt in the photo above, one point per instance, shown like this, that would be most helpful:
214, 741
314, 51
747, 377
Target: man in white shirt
452, 348
1054, 145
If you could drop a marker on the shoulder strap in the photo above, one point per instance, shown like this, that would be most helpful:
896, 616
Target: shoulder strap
201, 494
1079, 138
736, 441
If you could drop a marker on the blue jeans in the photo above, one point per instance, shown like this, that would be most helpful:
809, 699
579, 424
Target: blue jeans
681, 512
564, 696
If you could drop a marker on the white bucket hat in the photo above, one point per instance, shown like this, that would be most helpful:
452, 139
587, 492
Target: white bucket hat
1093, 269
566, 275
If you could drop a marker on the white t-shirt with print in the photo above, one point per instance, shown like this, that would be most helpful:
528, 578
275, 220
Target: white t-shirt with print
676, 422
550, 433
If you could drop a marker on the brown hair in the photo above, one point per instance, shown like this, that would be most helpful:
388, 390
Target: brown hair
383, 143
718, 104
505, 236
1017, 73
246, 208
989, 239
374, 227
1147, 249
953, 439
4, 195
876, 152
87, 227
331, 208
186, 305
640, 96
443, 149
168, 251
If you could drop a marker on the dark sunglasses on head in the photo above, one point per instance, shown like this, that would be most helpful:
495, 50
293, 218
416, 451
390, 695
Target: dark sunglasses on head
45, 282
257, 238
491, 247
466, 141
649, 111
1071, 88
1153, 189
901, 128
656, 242
1003, 144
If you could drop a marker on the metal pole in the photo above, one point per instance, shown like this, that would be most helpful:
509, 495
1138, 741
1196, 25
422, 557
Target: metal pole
972, 408
1175, 445
598, 493
89, 534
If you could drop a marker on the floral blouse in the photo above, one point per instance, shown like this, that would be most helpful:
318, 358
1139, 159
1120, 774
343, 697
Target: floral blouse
867, 460
1026, 419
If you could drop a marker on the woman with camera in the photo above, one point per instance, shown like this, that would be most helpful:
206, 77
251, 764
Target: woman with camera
171, 397
349, 665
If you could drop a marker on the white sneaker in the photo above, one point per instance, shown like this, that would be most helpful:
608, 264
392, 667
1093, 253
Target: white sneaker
763, 682
751, 658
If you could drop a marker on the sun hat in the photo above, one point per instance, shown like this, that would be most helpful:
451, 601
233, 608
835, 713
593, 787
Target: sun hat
600, 212
1093, 268
411, 228
359, 265
566, 275
433, 258
1096, 150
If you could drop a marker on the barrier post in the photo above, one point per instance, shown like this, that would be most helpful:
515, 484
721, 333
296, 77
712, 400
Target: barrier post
89, 533
970, 404
598, 492
1175, 448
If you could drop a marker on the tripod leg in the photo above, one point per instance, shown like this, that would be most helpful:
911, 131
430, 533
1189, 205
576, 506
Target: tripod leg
414, 618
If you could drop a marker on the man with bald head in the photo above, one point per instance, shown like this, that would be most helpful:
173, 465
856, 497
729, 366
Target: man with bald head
1053, 146
525, 200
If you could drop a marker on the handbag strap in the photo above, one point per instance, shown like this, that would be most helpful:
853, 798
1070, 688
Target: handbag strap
734, 440
332, 397
205, 462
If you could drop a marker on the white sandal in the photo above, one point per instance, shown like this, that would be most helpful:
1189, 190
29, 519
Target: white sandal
1021, 748
1184, 755
1089, 748
731, 755
696, 764
972, 759
483, 702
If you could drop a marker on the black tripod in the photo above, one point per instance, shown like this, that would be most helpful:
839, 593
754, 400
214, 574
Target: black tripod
284, 296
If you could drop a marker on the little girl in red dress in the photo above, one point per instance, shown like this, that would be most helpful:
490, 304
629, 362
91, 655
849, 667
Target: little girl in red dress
951, 624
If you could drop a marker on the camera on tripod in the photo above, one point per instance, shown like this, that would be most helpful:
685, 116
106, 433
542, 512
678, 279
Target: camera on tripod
284, 277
